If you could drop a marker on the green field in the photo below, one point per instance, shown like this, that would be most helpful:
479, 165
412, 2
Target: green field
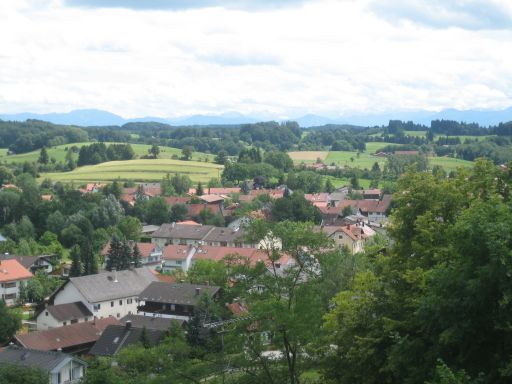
137, 170
461, 137
449, 163
59, 153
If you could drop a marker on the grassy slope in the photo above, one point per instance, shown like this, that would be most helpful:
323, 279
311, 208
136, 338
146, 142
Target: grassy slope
138, 170
59, 153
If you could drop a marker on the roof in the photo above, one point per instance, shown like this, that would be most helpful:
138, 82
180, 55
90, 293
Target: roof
63, 312
238, 309
380, 206
206, 252
212, 198
116, 337
184, 294
150, 322
149, 228
172, 200
11, 270
145, 249
219, 234
47, 361
26, 261
194, 210
409, 153
104, 286
66, 336
175, 252
357, 232
183, 231
314, 197
189, 222
216, 191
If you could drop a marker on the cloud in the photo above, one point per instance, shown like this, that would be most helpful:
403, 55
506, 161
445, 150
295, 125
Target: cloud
183, 4
466, 14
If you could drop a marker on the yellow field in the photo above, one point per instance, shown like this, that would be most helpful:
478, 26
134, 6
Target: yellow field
308, 156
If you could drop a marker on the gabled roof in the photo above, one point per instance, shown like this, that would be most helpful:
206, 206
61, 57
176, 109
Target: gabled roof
12, 270
113, 285
172, 200
184, 294
116, 337
66, 336
219, 234
47, 361
182, 231
64, 312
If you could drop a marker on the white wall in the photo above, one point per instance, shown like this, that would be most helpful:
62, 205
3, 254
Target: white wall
119, 309
12, 290
72, 371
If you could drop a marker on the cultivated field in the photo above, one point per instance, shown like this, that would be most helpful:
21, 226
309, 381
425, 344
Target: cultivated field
59, 153
137, 170
307, 156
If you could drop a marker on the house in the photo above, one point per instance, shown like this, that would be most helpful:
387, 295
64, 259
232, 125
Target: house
74, 338
150, 254
12, 276
352, 236
108, 293
318, 199
376, 210
117, 337
173, 301
60, 367
407, 153
227, 237
54, 316
92, 188
182, 234
33, 263
216, 191
149, 229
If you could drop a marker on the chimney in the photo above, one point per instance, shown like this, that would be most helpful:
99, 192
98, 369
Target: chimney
198, 291
115, 275
128, 325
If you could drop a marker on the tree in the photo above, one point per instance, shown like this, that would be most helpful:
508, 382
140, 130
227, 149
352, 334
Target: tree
199, 189
22, 374
329, 187
179, 213
157, 211
43, 156
136, 256
76, 262
130, 227
144, 338
89, 262
9, 323
280, 160
221, 157
295, 208
210, 272
114, 254
186, 152
154, 151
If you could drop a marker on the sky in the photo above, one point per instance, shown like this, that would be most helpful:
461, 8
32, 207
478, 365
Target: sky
276, 59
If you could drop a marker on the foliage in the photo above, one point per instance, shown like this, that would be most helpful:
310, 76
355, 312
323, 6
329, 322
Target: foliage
18, 374
9, 323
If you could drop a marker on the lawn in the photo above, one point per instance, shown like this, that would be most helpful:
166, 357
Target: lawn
449, 163
137, 170
59, 153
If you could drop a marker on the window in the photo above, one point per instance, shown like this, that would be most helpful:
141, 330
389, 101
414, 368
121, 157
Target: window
120, 302
58, 378
10, 296
129, 301
9, 285
178, 262
64, 323
74, 321
96, 307
118, 314
111, 303
86, 319
173, 307
46, 313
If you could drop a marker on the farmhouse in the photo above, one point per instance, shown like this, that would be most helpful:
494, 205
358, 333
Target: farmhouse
106, 294
174, 301
60, 315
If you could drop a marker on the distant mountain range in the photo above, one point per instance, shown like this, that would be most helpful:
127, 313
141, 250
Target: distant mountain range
96, 117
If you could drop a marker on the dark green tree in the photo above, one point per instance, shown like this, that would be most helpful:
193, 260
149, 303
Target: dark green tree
9, 323
43, 156
76, 262
136, 256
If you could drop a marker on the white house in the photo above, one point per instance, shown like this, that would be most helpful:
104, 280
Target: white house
108, 293
61, 367
12, 276
60, 315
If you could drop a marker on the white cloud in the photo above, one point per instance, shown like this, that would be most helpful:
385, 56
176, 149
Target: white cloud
323, 57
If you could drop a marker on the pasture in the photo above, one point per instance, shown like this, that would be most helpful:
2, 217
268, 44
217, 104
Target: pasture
59, 153
137, 170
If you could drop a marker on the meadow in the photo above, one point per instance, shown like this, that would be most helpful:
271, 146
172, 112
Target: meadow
59, 153
137, 170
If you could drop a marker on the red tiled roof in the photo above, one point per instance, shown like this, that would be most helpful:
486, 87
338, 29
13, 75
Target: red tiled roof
66, 336
11, 270
194, 210
188, 222
175, 252
215, 191
164, 278
144, 248
172, 200
315, 197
